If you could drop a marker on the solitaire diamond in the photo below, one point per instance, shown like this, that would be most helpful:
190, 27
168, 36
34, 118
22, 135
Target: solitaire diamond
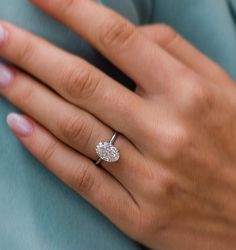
107, 152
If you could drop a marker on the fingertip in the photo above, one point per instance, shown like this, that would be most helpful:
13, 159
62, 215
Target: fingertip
20, 125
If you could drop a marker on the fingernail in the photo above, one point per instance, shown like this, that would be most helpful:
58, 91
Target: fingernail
20, 125
6, 76
3, 34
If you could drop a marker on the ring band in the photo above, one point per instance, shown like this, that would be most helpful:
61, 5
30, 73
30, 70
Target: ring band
106, 151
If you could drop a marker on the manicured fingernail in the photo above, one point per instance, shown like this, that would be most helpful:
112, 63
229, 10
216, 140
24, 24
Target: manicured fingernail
3, 34
20, 125
6, 76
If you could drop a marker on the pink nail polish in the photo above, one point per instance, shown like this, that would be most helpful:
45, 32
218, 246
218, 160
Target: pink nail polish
20, 125
3, 34
6, 76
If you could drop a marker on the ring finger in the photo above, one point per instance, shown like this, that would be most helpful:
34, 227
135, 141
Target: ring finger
73, 126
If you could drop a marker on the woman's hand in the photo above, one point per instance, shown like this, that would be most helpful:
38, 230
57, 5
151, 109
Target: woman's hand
174, 186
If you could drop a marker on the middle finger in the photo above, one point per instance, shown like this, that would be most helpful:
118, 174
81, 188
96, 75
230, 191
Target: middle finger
119, 41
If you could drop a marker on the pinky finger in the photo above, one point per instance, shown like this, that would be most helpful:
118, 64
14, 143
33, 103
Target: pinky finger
93, 183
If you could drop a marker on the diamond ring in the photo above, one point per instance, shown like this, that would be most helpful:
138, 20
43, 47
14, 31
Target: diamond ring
106, 151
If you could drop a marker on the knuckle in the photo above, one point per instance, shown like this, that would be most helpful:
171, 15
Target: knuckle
76, 128
82, 84
24, 98
116, 33
201, 99
175, 143
48, 152
198, 94
165, 35
166, 29
26, 52
66, 6
83, 180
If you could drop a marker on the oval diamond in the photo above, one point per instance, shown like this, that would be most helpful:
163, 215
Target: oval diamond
107, 152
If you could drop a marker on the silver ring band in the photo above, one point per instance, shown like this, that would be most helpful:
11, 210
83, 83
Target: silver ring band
106, 151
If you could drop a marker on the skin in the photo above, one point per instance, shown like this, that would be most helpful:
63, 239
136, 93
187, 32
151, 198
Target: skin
174, 187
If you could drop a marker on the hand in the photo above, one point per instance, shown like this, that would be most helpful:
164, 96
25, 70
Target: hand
174, 186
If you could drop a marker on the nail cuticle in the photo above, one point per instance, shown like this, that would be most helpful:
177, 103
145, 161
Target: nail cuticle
3, 35
6, 76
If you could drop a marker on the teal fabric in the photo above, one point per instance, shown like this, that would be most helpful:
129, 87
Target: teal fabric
37, 211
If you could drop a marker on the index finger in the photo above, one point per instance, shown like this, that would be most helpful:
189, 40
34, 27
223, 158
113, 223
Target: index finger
117, 39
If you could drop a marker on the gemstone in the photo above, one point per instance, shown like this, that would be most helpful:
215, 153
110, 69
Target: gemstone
107, 152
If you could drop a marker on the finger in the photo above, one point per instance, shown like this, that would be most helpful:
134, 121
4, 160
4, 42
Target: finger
181, 49
77, 128
117, 39
92, 183
75, 80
